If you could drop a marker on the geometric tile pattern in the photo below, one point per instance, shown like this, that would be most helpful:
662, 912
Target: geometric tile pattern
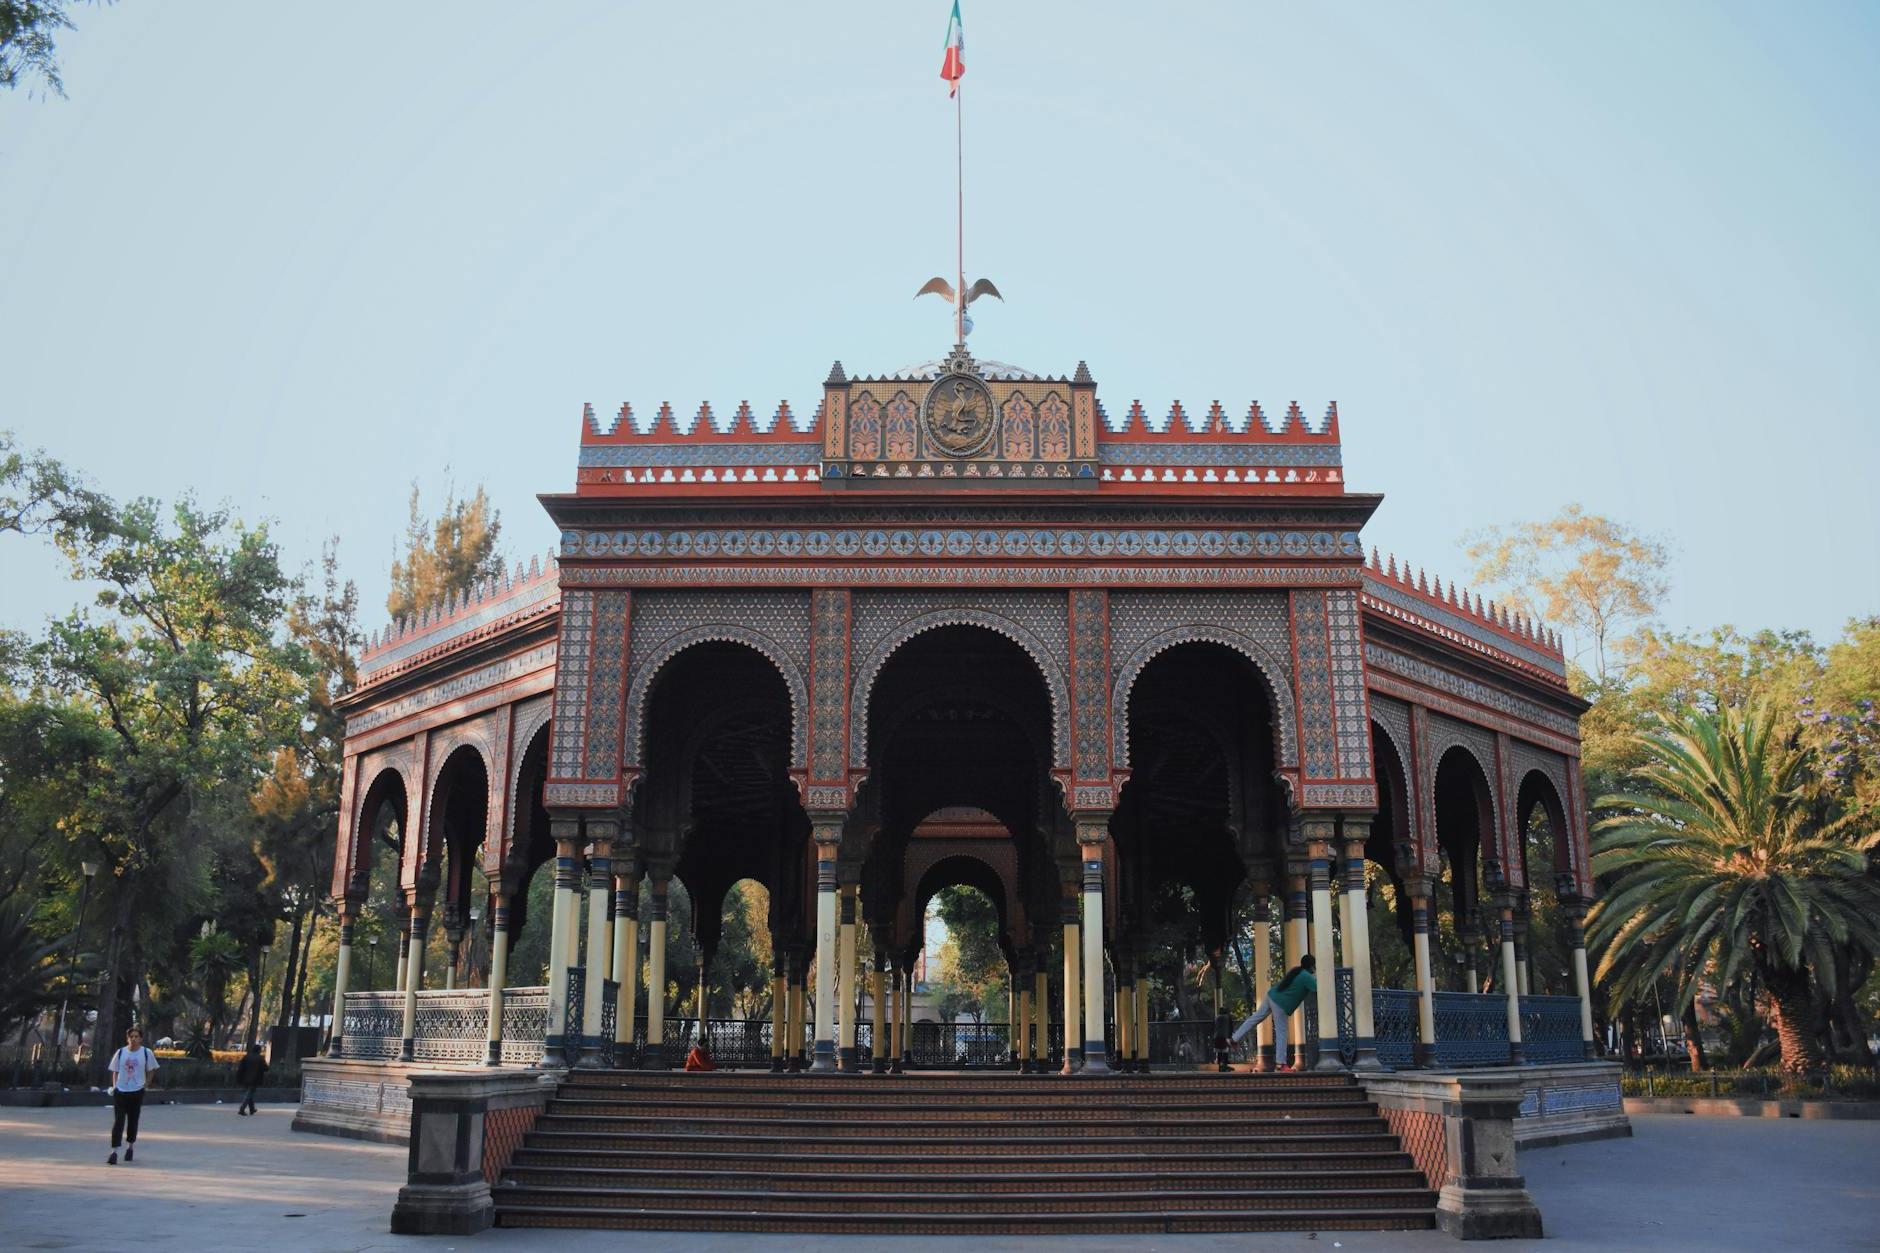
829, 695
1090, 723
568, 750
666, 623
1425, 1139
1144, 625
1346, 640
1317, 730
503, 1132
880, 622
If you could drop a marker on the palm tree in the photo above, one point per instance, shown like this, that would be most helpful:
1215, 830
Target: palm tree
1725, 856
32, 969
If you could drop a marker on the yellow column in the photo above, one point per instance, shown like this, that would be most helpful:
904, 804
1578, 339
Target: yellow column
1263, 977
1293, 947
1419, 889
779, 1008
499, 973
600, 945
1040, 1015
1125, 1015
793, 1025
1091, 835
404, 949
655, 1057
1073, 984
825, 1056
1142, 1021
1356, 913
1021, 979
895, 997
845, 986
1510, 987
567, 833
878, 1044
342, 980
1319, 849
626, 961
414, 973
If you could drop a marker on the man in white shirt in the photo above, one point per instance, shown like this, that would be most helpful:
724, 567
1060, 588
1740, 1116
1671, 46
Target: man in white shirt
130, 1073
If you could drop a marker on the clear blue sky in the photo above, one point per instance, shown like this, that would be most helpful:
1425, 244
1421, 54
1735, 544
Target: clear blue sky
294, 256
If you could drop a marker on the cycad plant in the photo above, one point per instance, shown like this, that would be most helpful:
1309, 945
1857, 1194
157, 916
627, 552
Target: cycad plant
1724, 856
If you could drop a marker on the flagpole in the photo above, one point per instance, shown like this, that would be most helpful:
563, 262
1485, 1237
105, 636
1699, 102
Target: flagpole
959, 210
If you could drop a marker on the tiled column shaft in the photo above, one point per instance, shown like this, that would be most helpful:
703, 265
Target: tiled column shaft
825, 1058
414, 976
1425, 1052
499, 976
849, 1003
655, 1058
1510, 984
555, 1041
626, 955
1095, 1053
600, 946
342, 983
1073, 987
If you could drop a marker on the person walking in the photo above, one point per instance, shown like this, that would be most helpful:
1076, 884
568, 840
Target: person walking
1281, 1000
249, 1072
131, 1068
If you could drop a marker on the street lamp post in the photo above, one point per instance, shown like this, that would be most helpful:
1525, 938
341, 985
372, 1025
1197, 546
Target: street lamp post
254, 1012
78, 928
372, 952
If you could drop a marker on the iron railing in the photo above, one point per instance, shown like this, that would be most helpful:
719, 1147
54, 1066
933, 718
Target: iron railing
1394, 1016
1550, 1029
373, 1026
1471, 1029
525, 1023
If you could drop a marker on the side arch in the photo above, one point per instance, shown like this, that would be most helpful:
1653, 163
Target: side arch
531, 720
445, 744
1479, 744
645, 672
1265, 664
379, 770
1056, 684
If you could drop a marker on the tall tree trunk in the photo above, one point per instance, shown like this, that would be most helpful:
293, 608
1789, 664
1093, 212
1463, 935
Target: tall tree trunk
254, 995
1792, 1009
104, 1036
1851, 973
1694, 1039
306, 952
287, 974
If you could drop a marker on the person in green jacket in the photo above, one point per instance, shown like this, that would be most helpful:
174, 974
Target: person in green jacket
1281, 1000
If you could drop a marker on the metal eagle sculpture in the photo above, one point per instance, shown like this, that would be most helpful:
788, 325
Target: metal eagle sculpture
940, 287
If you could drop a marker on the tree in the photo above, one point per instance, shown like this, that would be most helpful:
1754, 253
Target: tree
37, 494
187, 671
446, 555
1723, 859
1584, 572
28, 30
971, 959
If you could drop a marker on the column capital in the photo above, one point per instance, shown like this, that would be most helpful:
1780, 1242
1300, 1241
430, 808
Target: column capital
1092, 827
1315, 828
1357, 826
826, 830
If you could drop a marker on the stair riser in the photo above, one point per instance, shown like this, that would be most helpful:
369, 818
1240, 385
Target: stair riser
964, 1206
819, 1224
790, 1132
781, 1168
928, 1183
940, 1110
676, 1148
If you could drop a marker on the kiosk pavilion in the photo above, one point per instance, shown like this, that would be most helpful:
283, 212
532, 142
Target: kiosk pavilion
961, 627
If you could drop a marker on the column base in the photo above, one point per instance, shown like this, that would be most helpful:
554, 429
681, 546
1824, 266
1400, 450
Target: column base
333, 1048
595, 1054
778, 1065
1423, 1055
794, 1066
851, 1061
895, 1067
1591, 1051
878, 1065
453, 1209
825, 1062
1094, 1061
653, 1057
1328, 1056
1073, 1062
1499, 1208
1367, 1057
1515, 1056
1265, 1063
493, 1055
407, 1050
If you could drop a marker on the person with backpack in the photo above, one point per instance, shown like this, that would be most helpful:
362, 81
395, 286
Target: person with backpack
1281, 1000
249, 1072
131, 1068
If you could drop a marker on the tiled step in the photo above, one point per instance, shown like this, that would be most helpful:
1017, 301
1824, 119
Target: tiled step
759, 1179
1289, 1158
1144, 1126
987, 1144
1017, 1203
1113, 1087
942, 1105
1044, 1222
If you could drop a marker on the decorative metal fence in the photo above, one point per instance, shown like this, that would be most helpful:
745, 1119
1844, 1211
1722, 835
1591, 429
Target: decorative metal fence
452, 1028
525, 1023
1394, 1016
1471, 1029
959, 1046
373, 1026
1550, 1029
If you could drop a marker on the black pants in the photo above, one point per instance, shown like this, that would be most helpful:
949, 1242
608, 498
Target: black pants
128, 1106
248, 1098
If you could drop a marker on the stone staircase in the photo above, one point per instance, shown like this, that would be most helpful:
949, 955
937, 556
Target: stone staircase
965, 1154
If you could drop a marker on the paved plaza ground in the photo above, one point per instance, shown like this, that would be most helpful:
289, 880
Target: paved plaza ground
206, 1180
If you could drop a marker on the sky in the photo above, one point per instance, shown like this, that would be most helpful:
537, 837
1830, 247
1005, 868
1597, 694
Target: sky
296, 258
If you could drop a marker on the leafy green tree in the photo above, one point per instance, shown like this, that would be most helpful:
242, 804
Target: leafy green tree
446, 555
215, 957
971, 959
186, 668
37, 494
1723, 858
29, 30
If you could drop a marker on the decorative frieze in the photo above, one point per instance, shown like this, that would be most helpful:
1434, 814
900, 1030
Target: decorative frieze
469, 683
1378, 657
957, 543
955, 576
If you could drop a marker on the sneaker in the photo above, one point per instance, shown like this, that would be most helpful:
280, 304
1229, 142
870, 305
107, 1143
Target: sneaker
130, 1151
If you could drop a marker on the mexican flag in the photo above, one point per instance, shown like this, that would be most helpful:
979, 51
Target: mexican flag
954, 67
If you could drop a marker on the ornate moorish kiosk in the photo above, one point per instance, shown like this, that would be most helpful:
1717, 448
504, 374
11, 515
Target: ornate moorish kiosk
1133, 682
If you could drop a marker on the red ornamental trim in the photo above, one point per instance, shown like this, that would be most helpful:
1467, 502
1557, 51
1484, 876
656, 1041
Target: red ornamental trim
1462, 711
